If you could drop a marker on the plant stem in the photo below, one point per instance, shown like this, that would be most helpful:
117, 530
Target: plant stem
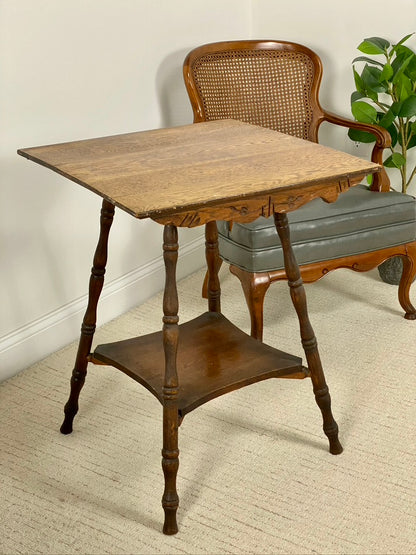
403, 169
410, 178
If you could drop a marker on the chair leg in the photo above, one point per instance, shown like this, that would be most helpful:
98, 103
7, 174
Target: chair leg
255, 286
309, 342
408, 275
89, 321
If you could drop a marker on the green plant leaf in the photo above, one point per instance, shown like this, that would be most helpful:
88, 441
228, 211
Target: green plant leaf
403, 87
362, 111
369, 60
395, 107
408, 107
371, 79
399, 66
404, 39
410, 70
356, 95
361, 136
412, 142
393, 134
364, 89
386, 73
396, 160
359, 84
372, 95
402, 51
374, 46
387, 119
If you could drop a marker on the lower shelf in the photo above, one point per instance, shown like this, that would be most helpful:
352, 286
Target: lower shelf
214, 357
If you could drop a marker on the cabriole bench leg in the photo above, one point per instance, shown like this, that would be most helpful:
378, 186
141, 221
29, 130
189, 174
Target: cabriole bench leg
408, 275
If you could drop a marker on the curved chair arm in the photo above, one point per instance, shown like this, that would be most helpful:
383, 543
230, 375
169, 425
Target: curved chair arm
381, 181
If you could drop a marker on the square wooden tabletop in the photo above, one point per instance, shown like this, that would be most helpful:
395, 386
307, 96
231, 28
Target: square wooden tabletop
163, 171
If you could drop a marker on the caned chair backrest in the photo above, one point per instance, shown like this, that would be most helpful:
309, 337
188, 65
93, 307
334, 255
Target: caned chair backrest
274, 84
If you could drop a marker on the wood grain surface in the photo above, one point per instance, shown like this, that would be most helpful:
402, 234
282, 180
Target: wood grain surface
171, 171
214, 358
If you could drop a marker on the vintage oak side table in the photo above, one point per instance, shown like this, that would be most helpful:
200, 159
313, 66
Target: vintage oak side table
190, 176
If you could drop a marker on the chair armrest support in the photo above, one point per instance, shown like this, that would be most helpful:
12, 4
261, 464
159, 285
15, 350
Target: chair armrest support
381, 181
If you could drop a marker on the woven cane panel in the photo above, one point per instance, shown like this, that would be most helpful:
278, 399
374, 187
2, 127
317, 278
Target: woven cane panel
267, 88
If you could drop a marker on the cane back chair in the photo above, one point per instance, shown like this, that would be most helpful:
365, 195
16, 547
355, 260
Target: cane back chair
275, 84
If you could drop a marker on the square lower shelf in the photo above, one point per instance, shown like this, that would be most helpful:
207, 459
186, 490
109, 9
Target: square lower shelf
214, 357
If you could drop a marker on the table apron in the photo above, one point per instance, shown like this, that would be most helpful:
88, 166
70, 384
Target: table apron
250, 208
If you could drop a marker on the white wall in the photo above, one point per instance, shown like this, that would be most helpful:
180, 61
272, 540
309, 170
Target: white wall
73, 69
333, 30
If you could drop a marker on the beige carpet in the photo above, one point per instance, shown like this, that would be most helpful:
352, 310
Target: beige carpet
255, 475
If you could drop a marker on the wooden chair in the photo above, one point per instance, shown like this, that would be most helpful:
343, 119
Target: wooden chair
275, 84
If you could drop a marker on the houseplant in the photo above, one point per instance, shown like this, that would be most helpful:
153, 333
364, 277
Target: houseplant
386, 95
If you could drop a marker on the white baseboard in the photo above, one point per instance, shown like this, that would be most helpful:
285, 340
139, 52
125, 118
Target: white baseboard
32, 342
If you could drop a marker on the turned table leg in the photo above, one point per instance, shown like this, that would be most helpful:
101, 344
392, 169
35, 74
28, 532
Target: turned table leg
213, 266
170, 451
90, 318
309, 342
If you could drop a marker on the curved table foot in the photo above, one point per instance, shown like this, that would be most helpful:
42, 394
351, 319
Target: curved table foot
330, 427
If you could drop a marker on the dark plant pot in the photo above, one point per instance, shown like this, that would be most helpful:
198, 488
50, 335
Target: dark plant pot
391, 270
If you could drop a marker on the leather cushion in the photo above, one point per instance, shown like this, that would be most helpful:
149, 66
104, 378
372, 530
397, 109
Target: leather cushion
359, 221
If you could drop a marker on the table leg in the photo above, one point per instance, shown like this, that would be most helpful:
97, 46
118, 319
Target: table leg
309, 342
213, 266
90, 318
170, 451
